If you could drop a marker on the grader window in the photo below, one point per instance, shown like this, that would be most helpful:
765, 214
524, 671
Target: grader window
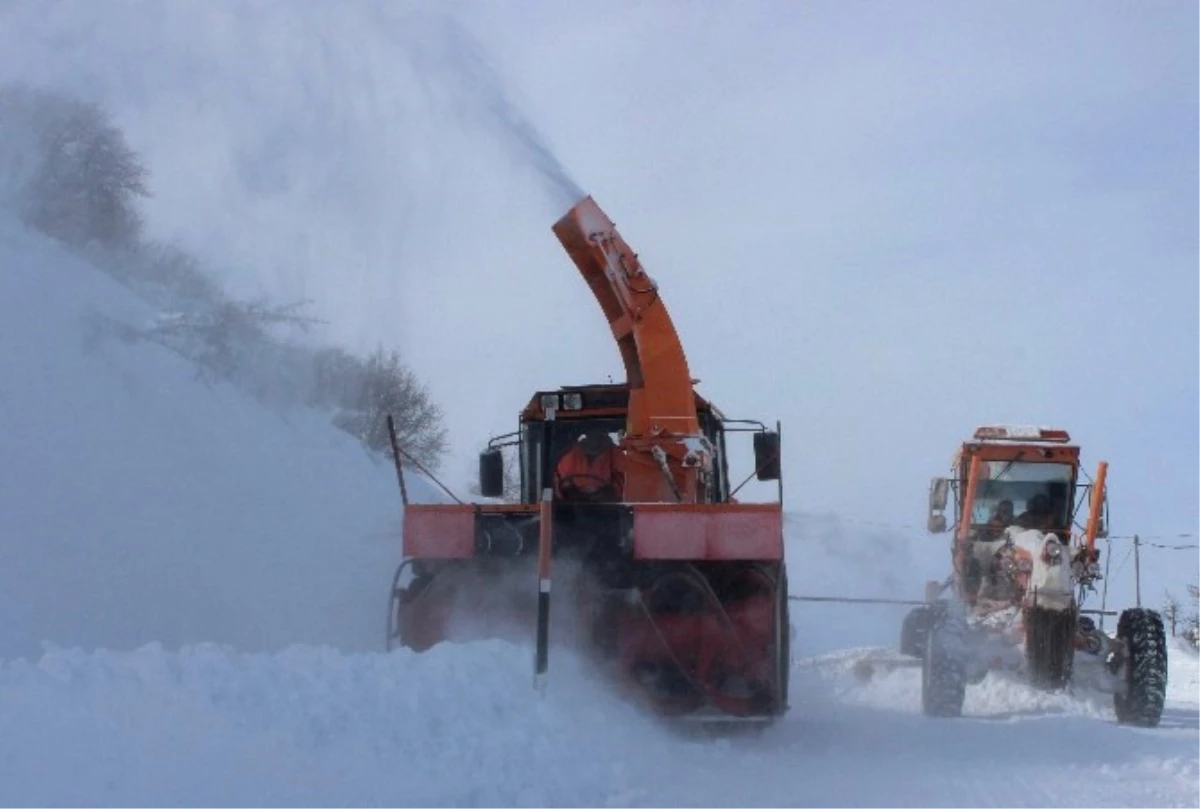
1031, 495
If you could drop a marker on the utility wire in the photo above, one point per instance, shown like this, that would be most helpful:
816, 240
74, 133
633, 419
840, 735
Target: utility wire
1145, 540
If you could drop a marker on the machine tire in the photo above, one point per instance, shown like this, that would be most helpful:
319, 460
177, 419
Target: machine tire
914, 631
1145, 639
1050, 647
943, 672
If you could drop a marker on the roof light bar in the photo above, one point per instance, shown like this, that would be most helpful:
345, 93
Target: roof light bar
1014, 433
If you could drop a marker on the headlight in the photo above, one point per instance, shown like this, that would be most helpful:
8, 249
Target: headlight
1052, 552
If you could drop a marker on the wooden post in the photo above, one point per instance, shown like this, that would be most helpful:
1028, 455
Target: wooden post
1137, 570
396, 456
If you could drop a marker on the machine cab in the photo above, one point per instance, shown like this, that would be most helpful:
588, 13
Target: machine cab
554, 422
1028, 477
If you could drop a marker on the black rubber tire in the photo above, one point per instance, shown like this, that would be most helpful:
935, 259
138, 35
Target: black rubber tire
1145, 639
943, 673
1050, 647
914, 631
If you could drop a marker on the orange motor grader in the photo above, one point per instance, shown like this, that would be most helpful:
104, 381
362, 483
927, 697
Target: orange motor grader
672, 585
1020, 577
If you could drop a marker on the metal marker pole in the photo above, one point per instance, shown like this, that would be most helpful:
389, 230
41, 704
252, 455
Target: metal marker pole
545, 537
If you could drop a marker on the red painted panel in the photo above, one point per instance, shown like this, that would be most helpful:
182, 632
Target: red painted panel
439, 531
748, 531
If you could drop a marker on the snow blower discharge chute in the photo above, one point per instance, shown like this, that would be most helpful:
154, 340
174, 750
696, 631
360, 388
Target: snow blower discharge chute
625, 514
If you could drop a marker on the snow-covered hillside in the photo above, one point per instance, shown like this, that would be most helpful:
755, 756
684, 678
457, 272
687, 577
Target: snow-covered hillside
138, 504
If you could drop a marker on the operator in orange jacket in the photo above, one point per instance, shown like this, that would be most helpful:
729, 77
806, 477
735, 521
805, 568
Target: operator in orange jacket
590, 470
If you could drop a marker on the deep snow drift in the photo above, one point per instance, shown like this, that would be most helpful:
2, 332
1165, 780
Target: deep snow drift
462, 726
141, 505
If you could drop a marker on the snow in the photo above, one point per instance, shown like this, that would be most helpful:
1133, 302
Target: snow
462, 726
1183, 673
141, 505
210, 576
1020, 430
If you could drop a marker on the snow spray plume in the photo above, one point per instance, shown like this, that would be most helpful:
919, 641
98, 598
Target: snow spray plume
453, 69
503, 604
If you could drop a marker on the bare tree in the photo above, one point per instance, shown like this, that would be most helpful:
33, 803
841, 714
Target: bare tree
1170, 612
1192, 621
226, 341
74, 177
166, 275
385, 387
87, 179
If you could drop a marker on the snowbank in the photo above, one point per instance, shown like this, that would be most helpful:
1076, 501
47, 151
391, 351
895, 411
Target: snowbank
138, 504
1183, 673
462, 726
896, 685
305, 726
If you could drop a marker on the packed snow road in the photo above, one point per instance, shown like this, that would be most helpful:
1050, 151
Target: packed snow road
462, 726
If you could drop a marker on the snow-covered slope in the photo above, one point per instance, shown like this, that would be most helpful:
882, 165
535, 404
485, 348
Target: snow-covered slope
138, 504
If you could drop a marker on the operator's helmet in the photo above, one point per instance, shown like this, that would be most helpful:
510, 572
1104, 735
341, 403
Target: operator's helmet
595, 442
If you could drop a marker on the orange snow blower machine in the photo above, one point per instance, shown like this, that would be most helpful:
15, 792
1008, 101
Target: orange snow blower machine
626, 503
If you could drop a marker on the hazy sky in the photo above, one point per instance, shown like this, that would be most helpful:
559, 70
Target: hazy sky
883, 224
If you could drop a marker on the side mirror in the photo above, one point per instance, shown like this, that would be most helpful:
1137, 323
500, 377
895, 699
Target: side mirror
939, 491
766, 456
933, 589
491, 473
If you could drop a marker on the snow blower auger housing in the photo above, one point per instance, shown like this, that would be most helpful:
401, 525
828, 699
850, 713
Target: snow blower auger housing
1020, 577
625, 495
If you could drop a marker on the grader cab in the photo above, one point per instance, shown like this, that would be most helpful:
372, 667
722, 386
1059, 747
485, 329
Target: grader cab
1022, 566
